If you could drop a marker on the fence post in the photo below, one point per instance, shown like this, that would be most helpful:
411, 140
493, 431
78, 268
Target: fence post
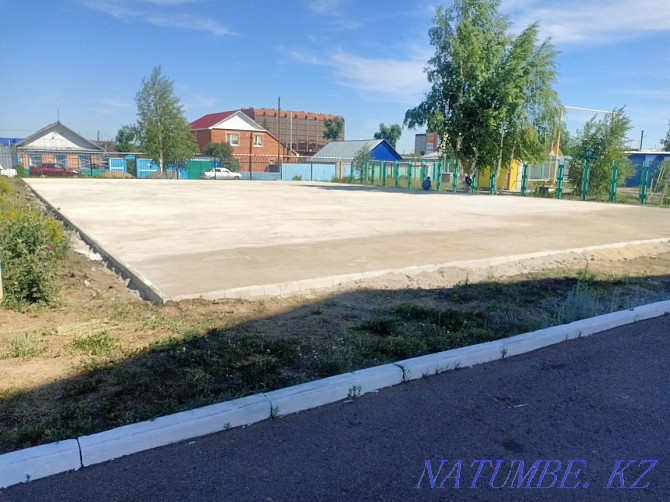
613, 180
372, 178
351, 172
396, 168
643, 183
492, 181
409, 174
559, 181
383, 170
524, 179
454, 181
586, 172
439, 174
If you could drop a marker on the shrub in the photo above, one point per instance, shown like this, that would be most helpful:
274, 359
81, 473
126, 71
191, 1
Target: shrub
33, 246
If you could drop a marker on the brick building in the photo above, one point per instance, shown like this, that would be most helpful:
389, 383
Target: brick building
254, 147
303, 130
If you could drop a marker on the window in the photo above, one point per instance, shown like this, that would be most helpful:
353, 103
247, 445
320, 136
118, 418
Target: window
61, 159
233, 139
258, 140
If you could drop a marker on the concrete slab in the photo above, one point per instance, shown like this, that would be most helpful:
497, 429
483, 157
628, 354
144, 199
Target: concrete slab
217, 239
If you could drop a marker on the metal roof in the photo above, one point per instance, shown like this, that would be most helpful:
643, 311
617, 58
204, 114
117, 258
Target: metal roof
345, 150
207, 121
82, 142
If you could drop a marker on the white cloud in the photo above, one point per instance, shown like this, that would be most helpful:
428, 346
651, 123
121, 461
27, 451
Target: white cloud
117, 103
324, 6
188, 21
593, 21
402, 80
154, 12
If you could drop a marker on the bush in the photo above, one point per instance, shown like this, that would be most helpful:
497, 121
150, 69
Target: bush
33, 246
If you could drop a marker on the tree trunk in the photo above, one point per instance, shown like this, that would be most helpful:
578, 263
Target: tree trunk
499, 166
511, 163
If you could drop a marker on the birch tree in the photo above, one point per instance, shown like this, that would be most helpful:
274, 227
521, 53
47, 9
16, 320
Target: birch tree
163, 131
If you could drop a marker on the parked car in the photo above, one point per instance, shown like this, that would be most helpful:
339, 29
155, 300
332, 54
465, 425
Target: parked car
220, 173
10, 172
53, 169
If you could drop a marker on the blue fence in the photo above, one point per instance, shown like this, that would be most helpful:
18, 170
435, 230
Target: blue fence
308, 171
260, 175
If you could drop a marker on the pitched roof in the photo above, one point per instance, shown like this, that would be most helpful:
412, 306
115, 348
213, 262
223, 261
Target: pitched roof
207, 121
67, 139
345, 150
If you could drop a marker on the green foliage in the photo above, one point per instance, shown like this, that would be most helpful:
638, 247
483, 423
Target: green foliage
33, 246
224, 152
601, 143
491, 97
5, 187
125, 138
665, 142
361, 159
98, 344
334, 129
390, 133
25, 346
162, 130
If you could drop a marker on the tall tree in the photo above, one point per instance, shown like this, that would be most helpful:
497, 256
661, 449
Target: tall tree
389, 133
125, 139
665, 143
162, 130
491, 94
524, 102
602, 142
469, 40
334, 129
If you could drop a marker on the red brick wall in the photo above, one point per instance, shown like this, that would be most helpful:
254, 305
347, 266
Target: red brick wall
260, 156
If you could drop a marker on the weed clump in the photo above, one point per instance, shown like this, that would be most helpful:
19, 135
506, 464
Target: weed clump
33, 247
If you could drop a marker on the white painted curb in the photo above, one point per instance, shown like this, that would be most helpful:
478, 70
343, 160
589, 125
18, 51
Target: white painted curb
142, 436
329, 390
40, 461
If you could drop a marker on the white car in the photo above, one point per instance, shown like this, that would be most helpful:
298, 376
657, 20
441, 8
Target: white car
220, 173
10, 172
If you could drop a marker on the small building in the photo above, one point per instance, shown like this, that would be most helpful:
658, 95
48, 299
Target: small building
58, 143
650, 159
254, 147
337, 151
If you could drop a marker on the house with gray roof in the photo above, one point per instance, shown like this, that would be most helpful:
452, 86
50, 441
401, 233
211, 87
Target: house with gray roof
337, 151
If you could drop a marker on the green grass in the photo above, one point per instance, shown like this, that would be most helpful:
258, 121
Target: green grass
97, 344
24, 346
213, 359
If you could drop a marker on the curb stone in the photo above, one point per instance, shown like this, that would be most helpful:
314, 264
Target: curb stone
45, 460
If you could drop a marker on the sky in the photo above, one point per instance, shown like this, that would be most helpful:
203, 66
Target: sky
83, 61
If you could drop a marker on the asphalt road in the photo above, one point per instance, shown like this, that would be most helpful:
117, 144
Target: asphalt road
587, 405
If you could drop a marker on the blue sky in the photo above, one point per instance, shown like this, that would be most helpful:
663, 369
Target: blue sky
84, 60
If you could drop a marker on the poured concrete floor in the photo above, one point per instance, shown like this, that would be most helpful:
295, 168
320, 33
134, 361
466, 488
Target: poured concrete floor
216, 239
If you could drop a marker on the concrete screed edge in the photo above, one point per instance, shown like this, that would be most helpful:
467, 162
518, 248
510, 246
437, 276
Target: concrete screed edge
53, 458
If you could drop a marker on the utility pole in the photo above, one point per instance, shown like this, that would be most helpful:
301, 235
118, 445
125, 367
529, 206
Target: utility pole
278, 131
